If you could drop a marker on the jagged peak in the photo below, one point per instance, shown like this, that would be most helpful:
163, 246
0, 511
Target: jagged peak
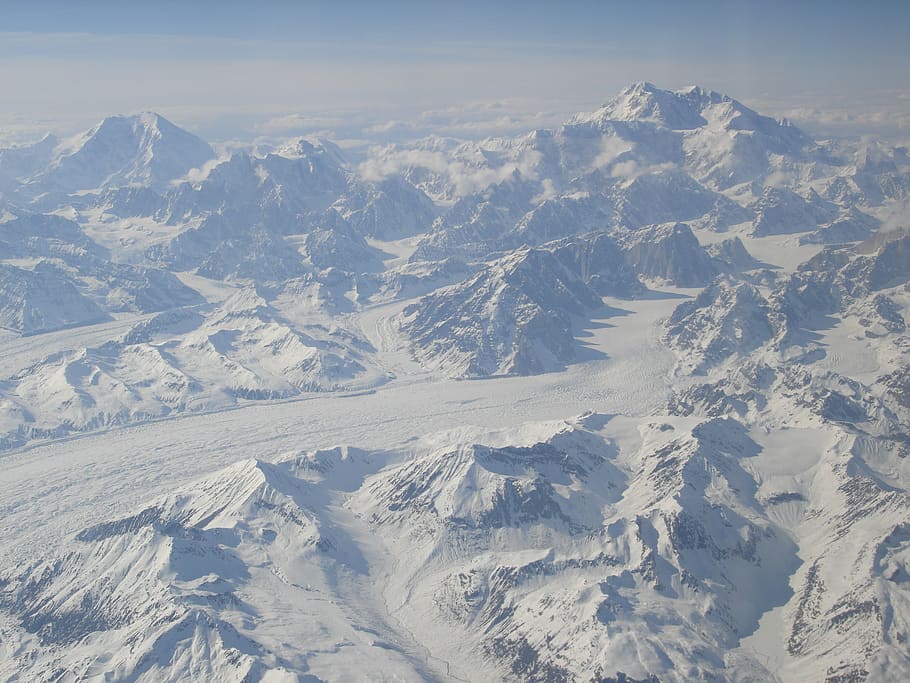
303, 147
687, 108
639, 87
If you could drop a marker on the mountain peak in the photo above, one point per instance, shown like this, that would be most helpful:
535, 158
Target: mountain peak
681, 109
639, 87
127, 149
692, 108
303, 148
143, 123
151, 118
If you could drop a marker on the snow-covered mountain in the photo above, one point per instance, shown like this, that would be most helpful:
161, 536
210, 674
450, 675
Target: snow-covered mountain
180, 361
551, 558
514, 317
555, 556
389, 210
42, 299
172, 591
144, 149
685, 326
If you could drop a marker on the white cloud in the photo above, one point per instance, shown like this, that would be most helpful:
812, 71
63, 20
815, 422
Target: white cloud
626, 169
465, 178
631, 169
611, 147
381, 165
548, 192
196, 175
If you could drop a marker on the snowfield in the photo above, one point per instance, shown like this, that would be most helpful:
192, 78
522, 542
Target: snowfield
626, 400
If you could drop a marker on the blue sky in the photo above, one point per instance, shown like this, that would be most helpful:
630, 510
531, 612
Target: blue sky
243, 68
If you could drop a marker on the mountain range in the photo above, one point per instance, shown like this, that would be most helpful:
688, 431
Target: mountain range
625, 400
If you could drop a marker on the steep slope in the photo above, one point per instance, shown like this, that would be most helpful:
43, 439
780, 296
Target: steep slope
513, 317
389, 210
206, 583
42, 299
783, 211
123, 150
280, 189
724, 320
29, 235
548, 559
669, 252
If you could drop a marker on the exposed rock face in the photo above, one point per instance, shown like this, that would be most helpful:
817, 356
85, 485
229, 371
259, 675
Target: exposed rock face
669, 252
513, 317
390, 210
602, 264
731, 256
43, 299
724, 320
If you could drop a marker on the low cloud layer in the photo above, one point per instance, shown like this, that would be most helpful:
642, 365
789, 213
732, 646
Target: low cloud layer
462, 175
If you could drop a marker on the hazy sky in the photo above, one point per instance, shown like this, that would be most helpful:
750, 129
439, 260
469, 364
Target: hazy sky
353, 69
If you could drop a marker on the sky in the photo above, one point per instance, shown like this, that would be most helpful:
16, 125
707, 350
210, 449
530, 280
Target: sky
364, 70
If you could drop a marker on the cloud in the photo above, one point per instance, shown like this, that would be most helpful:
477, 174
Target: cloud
611, 148
392, 128
631, 169
392, 163
846, 118
464, 175
473, 121
883, 113
548, 192
196, 175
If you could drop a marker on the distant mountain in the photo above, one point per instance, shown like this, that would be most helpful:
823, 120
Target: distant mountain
144, 149
692, 108
391, 209
43, 299
21, 162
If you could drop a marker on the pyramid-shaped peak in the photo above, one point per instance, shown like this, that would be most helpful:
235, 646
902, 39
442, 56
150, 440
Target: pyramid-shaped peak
308, 148
639, 87
143, 148
141, 125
